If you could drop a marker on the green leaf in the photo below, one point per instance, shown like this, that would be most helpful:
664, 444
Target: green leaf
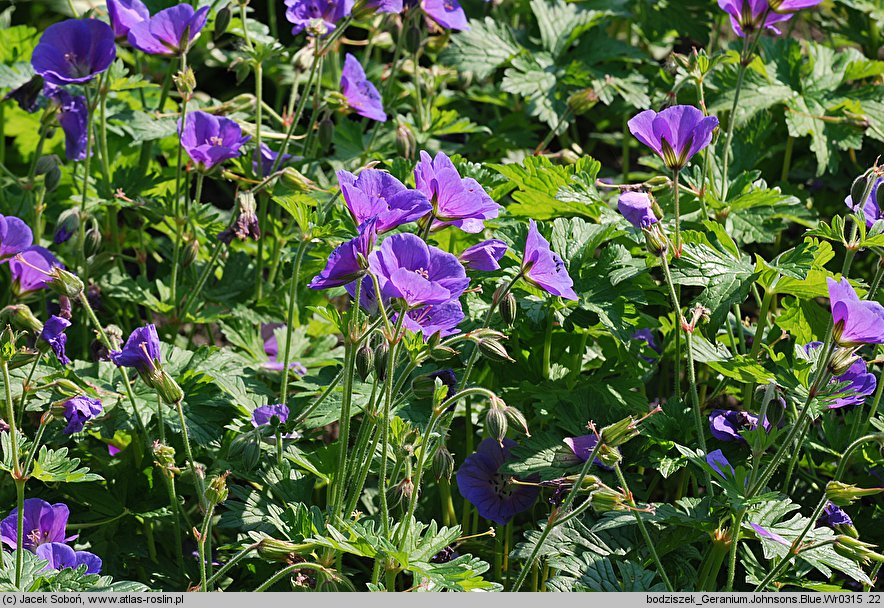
803, 319
545, 191
56, 466
482, 49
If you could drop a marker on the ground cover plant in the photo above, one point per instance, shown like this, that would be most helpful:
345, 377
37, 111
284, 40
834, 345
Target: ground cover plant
429, 295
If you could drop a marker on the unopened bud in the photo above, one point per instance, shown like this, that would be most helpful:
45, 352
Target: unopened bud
509, 309
424, 387
862, 187
442, 353
276, 550
842, 360
517, 418
191, 252
65, 283
93, 241
364, 361
66, 387
406, 141
443, 463
413, 39
607, 499
583, 101
496, 424
381, 354
655, 240
67, 225
493, 350
21, 316
326, 133
296, 180
222, 21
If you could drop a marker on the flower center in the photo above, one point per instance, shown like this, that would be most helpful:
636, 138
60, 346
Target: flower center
216, 141
36, 537
423, 272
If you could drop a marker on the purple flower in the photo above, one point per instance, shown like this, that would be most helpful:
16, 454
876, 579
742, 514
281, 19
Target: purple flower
124, 14
543, 268
675, 134
27, 95
271, 349
141, 351
442, 318
385, 6
456, 201
862, 383
317, 16
746, 15
61, 556
53, 335
484, 256
583, 446
448, 378
368, 297
78, 410
74, 120
870, 208
15, 236
113, 450
491, 492
856, 321
378, 194
261, 416
408, 269
832, 516
637, 208
74, 51
788, 6
717, 461
30, 269
726, 425
447, 13
770, 535
362, 96
647, 336
43, 523
169, 32
348, 260
209, 139
267, 157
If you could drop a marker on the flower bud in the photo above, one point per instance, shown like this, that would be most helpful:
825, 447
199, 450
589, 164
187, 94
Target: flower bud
655, 240
52, 178
93, 241
8, 341
443, 463
406, 141
166, 386
364, 361
862, 186
493, 350
381, 354
496, 424
222, 21
185, 82
45, 164
281, 550
21, 316
413, 39
856, 549
583, 101
442, 353
844, 494
326, 133
66, 388
424, 387
67, 224
246, 448
216, 491
191, 251
516, 418
509, 309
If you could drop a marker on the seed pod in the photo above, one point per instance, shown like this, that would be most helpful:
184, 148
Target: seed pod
276, 550
216, 491
406, 141
413, 39
22, 317
326, 133
443, 464
190, 253
517, 418
166, 386
222, 21
364, 361
424, 386
93, 241
844, 494
51, 179
65, 283
861, 189
381, 354
66, 387
496, 424
509, 309
620, 432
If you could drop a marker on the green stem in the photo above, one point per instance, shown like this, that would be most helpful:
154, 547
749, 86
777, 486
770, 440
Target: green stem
288, 570
102, 128
230, 564
291, 317
204, 534
169, 482
741, 74
176, 204
644, 530
24, 392
547, 344
19, 529
787, 159
675, 199
185, 436
393, 341
418, 476
732, 557
81, 232
204, 276
32, 453
341, 479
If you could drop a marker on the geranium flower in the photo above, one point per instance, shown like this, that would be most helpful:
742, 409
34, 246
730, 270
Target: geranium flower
74, 51
862, 383
171, 31
124, 14
271, 349
361, 95
73, 116
543, 268
347, 261
456, 201
637, 208
719, 463
676, 134
261, 416
27, 94
267, 157
485, 256
442, 318
378, 194
141, 352
409, 270
79, 410
762, 532
385, 6
871, 209
15, 236
746, 15
856, 321
726, 425
209, 139
447, 13
61, 556
53, 335
30, 269
646, 335
492, 493
43, 523
316, 16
